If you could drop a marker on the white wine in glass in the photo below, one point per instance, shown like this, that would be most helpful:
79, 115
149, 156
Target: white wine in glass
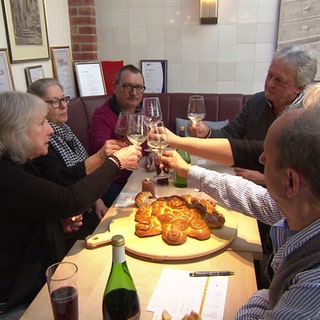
196, 109
137, 129
151, 109
157, 141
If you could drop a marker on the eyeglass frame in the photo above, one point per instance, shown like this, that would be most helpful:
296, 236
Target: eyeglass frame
65, 99
129, 87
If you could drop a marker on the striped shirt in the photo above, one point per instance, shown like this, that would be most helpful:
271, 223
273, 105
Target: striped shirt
301, 300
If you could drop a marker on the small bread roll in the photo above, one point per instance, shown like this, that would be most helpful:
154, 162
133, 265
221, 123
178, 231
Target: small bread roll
148, 227
142, 198
198, 229
172, 235
214, 220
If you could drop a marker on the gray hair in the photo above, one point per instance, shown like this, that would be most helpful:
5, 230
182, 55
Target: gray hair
299, 147
312, 96
17, 113
129, 67
40, 86
303, 61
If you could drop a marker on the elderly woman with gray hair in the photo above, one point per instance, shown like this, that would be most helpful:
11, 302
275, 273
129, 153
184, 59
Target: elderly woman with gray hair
66, 157
31, 206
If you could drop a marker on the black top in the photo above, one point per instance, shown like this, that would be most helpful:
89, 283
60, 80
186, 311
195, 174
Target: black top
53, 168
30, 210
247, 132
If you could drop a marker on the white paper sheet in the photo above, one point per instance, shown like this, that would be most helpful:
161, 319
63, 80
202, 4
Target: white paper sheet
179, 294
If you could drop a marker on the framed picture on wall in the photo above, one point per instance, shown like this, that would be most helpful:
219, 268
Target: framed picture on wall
6, 80
63, 69
90, 78
155, 75
26, 29
33, 73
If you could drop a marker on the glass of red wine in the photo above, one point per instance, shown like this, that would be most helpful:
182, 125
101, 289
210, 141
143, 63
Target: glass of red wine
62, 286
122, 125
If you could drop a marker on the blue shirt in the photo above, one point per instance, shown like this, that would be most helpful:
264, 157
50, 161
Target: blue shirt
301, 300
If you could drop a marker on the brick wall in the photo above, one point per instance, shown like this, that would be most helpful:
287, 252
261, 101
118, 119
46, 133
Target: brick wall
82, 17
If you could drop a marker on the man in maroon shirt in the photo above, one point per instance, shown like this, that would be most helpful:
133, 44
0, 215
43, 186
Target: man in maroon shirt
128, 90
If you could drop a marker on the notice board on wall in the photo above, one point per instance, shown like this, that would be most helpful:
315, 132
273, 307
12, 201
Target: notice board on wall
90, 79
155, 75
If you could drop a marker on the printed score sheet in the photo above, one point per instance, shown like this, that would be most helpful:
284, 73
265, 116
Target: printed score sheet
179, 294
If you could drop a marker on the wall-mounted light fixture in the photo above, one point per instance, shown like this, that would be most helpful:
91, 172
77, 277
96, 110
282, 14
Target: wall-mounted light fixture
208, 11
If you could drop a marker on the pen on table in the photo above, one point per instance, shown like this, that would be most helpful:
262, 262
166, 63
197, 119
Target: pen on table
210, 273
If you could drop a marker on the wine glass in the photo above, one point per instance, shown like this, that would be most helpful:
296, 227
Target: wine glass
136, 129
122, 125
157, 141
151, 109
196, 109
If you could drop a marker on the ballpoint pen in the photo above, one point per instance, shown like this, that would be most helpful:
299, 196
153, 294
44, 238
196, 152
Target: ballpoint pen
210, 273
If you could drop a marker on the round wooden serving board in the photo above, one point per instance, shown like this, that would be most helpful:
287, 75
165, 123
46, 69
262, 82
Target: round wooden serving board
155, 248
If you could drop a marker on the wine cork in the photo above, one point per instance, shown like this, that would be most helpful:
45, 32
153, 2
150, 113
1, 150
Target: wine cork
148, 185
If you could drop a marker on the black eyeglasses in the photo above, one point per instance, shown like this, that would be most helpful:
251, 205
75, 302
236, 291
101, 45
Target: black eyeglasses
56, 102
129, 87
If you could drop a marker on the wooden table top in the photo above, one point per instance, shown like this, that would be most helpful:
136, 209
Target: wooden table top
94, 265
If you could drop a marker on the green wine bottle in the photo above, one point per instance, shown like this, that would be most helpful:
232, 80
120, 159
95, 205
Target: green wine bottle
120, 298
179, 181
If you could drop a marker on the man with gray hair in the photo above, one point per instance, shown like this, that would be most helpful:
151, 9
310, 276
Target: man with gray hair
291, 70
292, 171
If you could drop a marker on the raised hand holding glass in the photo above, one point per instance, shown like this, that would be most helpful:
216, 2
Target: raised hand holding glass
157, 141
196, 109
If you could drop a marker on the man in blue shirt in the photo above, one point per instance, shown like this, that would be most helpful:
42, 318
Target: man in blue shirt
292, 171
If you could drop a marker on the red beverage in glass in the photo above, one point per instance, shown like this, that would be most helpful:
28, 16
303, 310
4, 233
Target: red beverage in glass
64, 303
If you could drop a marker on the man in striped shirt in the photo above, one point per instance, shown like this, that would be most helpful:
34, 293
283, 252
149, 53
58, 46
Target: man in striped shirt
292, 170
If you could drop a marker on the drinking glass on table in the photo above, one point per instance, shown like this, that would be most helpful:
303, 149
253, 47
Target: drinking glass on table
157, 141
151, 109
122, 125
63, 291
196, 109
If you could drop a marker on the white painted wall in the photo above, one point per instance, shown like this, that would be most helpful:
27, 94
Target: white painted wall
232, 56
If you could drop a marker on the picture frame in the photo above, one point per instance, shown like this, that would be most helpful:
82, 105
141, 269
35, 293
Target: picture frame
6, 79
155, 75
90, 79
33, 73
20, 25
63, 71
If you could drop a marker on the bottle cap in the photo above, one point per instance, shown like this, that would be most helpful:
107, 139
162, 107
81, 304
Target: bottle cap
117, 240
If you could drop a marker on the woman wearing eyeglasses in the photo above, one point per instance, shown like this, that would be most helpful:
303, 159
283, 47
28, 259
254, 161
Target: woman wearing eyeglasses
31, 206
66, 157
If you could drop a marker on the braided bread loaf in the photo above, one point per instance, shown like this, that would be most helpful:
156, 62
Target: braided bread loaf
176, 218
